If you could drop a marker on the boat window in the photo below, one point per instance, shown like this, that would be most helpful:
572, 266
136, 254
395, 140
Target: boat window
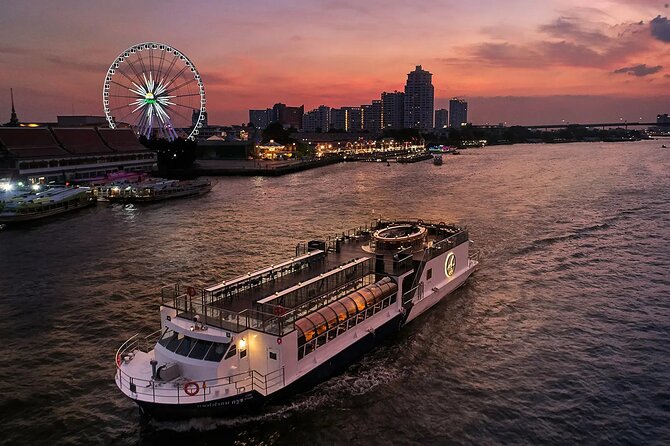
232, 352
185, 346
191, 347
168, 335
273, 356
174, 342
217, 351
429, 274
243, 353
200, 349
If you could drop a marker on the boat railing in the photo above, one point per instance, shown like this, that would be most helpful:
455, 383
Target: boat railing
185, 390
474, 256
143, 343
318, 285
230, 288
332, 243
329, 297
416, 291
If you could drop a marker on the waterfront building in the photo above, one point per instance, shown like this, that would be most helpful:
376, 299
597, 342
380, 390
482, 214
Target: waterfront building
65, 154
372, 116
81, 121
458, 112
393, 110
317, 120
275, 151
419, 100
441, 118
260, 118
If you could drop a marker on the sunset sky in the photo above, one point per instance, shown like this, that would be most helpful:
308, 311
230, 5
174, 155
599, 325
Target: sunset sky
515, 61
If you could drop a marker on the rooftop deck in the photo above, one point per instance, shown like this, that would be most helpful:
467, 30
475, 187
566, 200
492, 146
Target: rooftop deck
272, 298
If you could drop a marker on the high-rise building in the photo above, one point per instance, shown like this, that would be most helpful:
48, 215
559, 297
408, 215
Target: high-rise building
419, 100
393, 110
458, 112
347, 119
317, 120
354, 119
338, 119
372, 116
260, 118
288, 116
441, 118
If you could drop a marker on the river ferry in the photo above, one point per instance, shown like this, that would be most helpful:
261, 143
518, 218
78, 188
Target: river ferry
235, 345
156, 189
36, 204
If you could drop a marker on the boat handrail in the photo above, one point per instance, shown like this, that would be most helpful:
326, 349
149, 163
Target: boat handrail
270, 269
323, 276
138, 341
175, 391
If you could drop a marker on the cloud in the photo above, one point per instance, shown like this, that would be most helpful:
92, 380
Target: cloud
640, 70
575, 28
660, 28
576, 38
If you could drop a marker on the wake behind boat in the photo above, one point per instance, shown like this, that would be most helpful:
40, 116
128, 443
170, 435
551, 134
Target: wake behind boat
156, 189
235, 345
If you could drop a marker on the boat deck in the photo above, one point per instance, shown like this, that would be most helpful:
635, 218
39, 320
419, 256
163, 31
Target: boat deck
349, 250
322, 270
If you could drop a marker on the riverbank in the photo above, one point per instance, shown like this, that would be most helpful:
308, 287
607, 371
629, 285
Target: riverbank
258, 167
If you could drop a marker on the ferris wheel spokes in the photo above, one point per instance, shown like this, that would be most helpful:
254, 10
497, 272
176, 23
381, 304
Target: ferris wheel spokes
151, 88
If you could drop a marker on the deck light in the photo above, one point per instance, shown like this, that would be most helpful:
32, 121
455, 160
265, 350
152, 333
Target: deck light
243, 343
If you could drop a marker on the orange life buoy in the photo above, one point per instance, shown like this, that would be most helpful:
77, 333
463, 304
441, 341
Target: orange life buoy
191, 388
190, 291
279, 341
279, 310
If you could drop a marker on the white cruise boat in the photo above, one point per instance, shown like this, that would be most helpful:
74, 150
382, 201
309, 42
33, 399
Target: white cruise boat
32, 205
156, 189
235, 345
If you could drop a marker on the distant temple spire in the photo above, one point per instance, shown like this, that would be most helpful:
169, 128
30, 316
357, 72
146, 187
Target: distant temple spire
13, 121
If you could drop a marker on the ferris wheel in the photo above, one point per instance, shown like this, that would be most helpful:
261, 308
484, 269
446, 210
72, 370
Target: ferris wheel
155, 89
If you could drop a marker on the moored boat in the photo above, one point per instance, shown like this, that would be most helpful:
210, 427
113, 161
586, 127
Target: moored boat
34, 205
235, 345
156, 189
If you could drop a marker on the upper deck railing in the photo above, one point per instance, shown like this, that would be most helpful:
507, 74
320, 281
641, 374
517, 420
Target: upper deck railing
277, 312
273, 314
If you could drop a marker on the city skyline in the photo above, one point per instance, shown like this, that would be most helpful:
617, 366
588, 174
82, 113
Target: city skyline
525, 64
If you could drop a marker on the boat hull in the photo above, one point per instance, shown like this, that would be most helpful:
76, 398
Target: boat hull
152, 198
253, 401
8, 218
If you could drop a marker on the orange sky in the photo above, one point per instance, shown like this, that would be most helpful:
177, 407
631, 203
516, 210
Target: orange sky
517, 61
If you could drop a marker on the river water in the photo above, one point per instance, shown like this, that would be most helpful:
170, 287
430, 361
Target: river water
561, 337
